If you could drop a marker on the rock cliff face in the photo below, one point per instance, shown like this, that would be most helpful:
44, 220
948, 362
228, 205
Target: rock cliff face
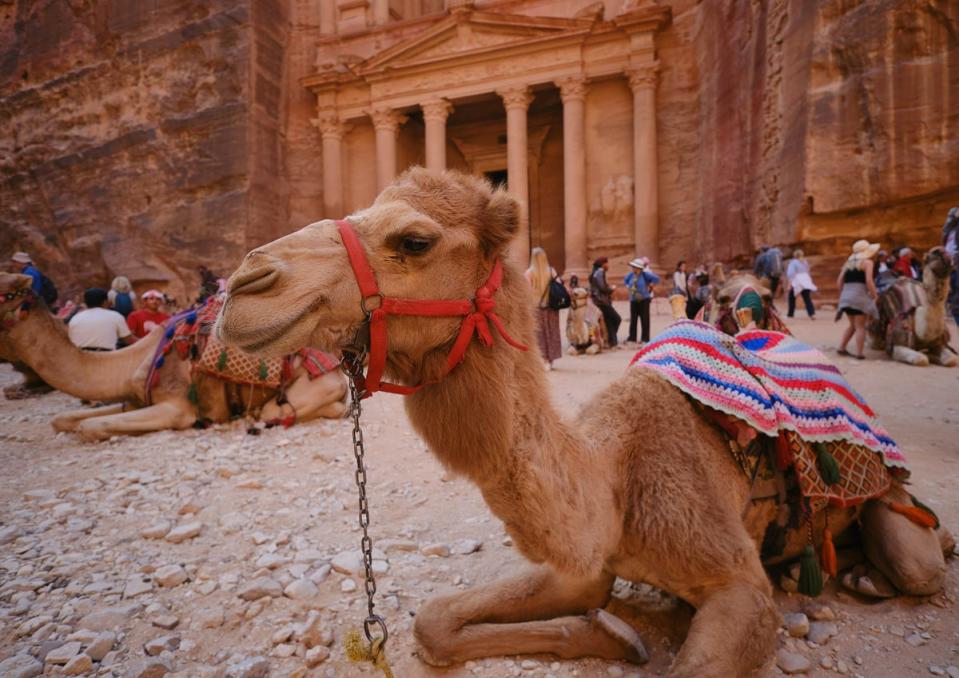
129, 131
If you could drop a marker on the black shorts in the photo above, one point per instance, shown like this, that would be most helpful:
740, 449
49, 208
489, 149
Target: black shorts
851, 312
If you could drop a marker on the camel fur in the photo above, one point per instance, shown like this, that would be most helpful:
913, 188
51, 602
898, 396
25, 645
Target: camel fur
40, 341
920, 335
623, 490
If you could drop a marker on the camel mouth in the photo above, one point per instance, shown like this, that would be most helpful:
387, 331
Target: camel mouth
272, 338
253, 282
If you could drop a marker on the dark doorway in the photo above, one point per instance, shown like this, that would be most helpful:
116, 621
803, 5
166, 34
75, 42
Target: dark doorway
498, 178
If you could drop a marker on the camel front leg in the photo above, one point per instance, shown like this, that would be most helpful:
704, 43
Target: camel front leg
174, 414
69, 420
323, 397
907, 355
536, 612
944, 357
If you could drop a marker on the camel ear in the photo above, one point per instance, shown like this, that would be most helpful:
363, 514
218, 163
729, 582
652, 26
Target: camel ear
501, 222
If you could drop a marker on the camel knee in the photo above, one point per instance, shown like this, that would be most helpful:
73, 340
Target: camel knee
434, 633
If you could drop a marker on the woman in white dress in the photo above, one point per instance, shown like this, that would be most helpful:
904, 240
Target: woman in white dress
800, 283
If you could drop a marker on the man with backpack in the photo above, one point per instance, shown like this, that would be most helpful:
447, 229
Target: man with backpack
639, 282
42, 286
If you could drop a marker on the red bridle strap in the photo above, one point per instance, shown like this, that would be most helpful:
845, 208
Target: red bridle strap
477, 315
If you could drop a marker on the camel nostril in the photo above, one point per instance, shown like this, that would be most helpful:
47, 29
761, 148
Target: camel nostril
253, 282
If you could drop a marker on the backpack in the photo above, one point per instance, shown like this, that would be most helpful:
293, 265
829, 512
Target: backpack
774, 263
123, 304
48, 291
557, 295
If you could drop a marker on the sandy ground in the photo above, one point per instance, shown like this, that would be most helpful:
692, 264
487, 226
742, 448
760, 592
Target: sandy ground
275, 510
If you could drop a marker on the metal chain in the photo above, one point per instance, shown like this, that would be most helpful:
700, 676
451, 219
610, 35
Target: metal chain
354, 369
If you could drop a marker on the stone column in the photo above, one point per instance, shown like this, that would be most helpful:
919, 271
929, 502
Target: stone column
387, 123
517, 101
381, 12
572, 90
327, 18
435, 113
331, 131
642, 80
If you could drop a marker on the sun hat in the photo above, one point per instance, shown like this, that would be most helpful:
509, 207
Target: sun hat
21, 258
865, 249
638, 262
153, 294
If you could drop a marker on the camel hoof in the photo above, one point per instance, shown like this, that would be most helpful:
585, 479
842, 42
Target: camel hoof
868, 582
946, 542
634, 649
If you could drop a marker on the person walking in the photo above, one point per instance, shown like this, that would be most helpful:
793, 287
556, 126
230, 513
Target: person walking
41, 285
857, 295
602, 293
121, 296
800, 282
98, 328
142, 321
639, 282
680, 292
950, 242
539, 275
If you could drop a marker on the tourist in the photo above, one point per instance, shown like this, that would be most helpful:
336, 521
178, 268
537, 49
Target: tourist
857, 295
121, 296
950, 242
98, 328
41, 285
906, 265
602, 293
699, 294
679, 292
142, 322
539, 275
769, 267
800, 282
210, 284
639, 282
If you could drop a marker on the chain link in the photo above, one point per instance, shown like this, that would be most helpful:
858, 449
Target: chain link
353, 369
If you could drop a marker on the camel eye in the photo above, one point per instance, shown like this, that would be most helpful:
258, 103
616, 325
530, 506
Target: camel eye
414, 245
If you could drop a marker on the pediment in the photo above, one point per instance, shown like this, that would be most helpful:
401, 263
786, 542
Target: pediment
471, 33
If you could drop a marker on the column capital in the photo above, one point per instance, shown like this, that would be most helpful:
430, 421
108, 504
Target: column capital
572, 88
387, 118
644, 76
516, 97
436, 109
329, 125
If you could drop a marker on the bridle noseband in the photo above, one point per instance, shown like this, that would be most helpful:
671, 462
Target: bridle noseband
477, 315
11, 317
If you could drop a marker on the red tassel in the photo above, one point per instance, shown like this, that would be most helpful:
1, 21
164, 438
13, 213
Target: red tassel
916, 515
828, 558
288, 421
784, 458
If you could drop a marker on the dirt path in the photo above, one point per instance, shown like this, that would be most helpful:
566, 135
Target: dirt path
273, 512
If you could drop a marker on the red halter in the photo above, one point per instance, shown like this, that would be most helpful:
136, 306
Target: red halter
477, 314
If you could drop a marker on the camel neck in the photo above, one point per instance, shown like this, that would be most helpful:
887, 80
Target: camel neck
41, 341
933, 321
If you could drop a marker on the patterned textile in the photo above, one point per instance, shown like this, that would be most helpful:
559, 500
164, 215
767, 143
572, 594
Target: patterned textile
863, 474
897, 307
769, 380
231, 364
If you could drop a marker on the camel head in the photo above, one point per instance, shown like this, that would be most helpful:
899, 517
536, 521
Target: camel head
937, 262
14, 290
430, 235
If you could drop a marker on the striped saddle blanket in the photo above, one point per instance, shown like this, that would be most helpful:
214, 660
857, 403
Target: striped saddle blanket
772, 382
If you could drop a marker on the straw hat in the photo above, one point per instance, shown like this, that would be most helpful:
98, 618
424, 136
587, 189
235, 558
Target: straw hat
21, 258
865, 249
639, 263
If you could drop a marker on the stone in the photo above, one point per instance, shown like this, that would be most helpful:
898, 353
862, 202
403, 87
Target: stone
107, 618
283, 650
99, 646
149, 668
9, 534
183, 532
301, 589
165, 621
936, 670
160, 644
389, 545
797, 624
615, 671
821, 632
790, 662
156, 531
820, 612
20, 666
169, 576
313, 632
271, 561
440, 550
64, 653
209, 618
348, 562
465, 547
347, 586
250, 667
915, 639
260, 587
282, 635
137, 586
317, 655
826, 663
78, 665
952, 671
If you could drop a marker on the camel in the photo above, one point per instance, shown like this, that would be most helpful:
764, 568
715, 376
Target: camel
39, 340
912, 316
623, 490
585, 330
740, 302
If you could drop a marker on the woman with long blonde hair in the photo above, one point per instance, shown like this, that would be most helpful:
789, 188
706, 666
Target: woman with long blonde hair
539, 275
121, 296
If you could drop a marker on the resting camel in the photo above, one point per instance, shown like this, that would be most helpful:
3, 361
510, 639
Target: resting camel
39, 340
624, 490
912, 316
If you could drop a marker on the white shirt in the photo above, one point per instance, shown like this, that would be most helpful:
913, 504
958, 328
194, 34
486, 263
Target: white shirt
97, 328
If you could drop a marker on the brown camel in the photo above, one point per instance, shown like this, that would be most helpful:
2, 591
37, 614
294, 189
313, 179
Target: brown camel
39, 340
646, 494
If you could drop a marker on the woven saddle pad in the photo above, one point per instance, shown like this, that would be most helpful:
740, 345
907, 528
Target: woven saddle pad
862, 473
232, 364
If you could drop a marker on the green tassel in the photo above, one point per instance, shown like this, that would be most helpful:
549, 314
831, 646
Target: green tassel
192, 394
264, 373
221, 361
810, 577
828, 466
922, 507
774, 541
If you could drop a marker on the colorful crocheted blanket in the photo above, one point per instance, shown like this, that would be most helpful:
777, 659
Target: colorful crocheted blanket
769, 380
